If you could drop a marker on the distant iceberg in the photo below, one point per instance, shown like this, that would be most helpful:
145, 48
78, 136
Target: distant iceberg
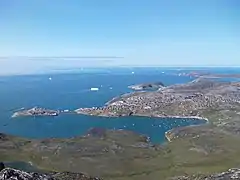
94, 89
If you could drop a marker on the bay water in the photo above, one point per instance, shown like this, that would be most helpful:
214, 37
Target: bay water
72, 91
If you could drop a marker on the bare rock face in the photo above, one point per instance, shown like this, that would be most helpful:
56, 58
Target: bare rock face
231, 174
14, 174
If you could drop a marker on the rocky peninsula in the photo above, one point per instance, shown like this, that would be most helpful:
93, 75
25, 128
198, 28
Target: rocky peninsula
206, 152
36, 111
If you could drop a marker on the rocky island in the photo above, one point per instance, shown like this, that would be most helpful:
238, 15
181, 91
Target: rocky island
205, 152
147, 86
36, 111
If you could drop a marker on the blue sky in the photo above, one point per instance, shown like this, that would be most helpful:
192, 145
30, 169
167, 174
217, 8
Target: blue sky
144, 32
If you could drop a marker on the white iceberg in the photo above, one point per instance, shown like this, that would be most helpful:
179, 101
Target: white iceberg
94, 89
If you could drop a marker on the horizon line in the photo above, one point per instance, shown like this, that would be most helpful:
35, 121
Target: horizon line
62, 57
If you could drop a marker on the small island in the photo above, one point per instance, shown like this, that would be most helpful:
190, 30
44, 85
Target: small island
147, 86
36, 111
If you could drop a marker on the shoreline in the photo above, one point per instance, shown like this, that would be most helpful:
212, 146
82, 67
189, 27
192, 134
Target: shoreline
180, 117
142, 115
161, 117
133, 115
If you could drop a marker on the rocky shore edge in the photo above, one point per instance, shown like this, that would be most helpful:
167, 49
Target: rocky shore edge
168, 133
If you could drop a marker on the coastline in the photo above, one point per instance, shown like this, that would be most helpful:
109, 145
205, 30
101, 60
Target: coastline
179, 117
160, 117
17, 114
180, 101
142, 115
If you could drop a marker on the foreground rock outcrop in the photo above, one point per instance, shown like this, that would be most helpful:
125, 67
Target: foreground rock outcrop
227, 175
14, 174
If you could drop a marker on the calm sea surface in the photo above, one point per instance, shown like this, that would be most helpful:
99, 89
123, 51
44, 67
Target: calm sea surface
72, 91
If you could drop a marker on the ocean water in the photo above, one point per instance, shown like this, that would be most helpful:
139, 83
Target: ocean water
72, 91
